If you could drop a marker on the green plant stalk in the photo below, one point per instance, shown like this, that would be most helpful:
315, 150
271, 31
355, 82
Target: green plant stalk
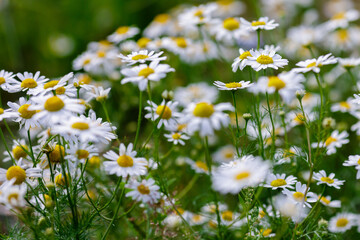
320, 113
237, 135
258, 122
258, 39
348, 70
272, 125
139, 120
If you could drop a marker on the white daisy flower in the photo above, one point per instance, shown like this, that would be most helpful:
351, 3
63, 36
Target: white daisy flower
5, 79
248, 172
98, 93
336, 140
295, 118
54, 109
21, 172
194, 93
13, 196
224, 154
125, 163
19, 151
177, 138
345, 106
314, 64
81, 152
288, 208
342, 19
267, 233
57, 86
142, 56
84, 61
354, 160
143, 73
27, 81
326, 201
348, 63
341, 222
229, 217
8, 113
206, 117
275, 181
226, 8
262, 59
233, 86
286, 84
298, 196
286, 155
178, 45
122, 33
197, 219
86, 129
242, 61
145, 191
26, 116
198, 166
192, 17
262, 23
228, 30
161, 25
321, 178
166, 111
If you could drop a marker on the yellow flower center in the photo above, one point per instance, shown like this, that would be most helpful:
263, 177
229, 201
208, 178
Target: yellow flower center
55, 155
82, 154
288, 153
339, 16
264, 59
180, 127
257, 23
181, 42
342, 222
122, 30
298, 196
180, 210
176, 136
310, 65
60, 179
244, 55
278, 182
2, 80
225, 2
233, 85
60, 91
18, 152
199, 14
145, 72
276, 82
345, 105
242, 175
325, 200
54, 104
231, 24
201, 165
94, 161
16, 172
13, 196
267, 232
162, 18
227, 215
51, 84
299, 118
25, 113
142, 42
125, 161
86, 61
165, 111
358, 161
101, 54
28, 83
84, 79
144, 190
203, 110
330, 140
343, 35
229, 154
327, 179
1, 111
213, 224
196, 218
262, 214
80, 126
139, 56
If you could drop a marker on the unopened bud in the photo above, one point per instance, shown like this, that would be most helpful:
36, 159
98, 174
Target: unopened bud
328, 123
247, 116
300, 94
167, 95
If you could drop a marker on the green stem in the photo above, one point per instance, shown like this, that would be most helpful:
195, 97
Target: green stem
272, 125
352, 77
139, 120
258, 39
237, 125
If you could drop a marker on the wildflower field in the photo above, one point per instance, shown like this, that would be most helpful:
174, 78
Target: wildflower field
215, 120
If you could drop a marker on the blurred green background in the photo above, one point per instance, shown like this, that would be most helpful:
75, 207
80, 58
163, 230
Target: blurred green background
47, 35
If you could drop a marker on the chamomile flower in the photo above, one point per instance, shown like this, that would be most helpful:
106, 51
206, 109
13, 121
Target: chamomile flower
81, 152
262, 23
228, 30
298, 196
145, 191
288, 208
354, 160
166, 112
84, 61
26, 116
314, 64
263, 59
58, 86
342, 19
18, 151
326, 201
143, 73
224, 154
322, 178
27, 81
13, 196
345, 106
122, 33
194, 93
348, 63
198, 166
229, 217
242, 61
21, 172
196, 219
142, 56
233, 86
341, 222
275, 181
85, 129
5, 79
177, 138
125, 163
98, 93
53, 109
336, 140
7, 113
192, 17
226, 8
248, 173
205, 117
161, 25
